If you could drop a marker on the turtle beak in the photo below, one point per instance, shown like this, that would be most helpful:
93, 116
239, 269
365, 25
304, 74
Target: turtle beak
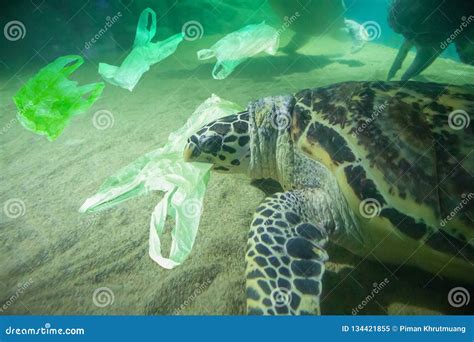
191, 151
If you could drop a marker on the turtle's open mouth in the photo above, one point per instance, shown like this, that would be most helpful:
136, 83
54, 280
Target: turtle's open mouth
191, 152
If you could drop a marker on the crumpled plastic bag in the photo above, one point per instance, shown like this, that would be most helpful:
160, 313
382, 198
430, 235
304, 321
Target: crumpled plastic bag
237, 46
358, 34
49, 100
143, 55
164, 169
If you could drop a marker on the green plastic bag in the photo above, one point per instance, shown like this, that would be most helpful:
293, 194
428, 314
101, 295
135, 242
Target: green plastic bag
47, 101
143, 55
164, 170
237, 46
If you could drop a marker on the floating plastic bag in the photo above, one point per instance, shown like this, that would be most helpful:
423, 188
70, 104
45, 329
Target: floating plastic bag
47, 101
358, 34
165, 170
143, 55
237, 46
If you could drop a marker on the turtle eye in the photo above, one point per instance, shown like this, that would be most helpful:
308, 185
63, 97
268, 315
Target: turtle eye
210, 144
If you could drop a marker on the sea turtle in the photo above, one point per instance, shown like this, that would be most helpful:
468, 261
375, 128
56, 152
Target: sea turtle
383, 169
430, 26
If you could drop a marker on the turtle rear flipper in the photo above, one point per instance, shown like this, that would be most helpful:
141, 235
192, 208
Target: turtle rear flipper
285, 256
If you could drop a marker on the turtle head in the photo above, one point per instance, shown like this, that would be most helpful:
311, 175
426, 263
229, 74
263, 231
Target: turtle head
225, 143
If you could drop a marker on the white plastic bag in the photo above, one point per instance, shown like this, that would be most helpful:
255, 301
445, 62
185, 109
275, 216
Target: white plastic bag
358, 34
237, 46
164, 170
144, 54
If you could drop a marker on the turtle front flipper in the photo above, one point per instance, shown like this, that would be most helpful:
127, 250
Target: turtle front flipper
285, 255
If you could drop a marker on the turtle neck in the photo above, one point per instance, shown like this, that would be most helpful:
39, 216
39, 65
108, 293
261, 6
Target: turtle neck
270, 121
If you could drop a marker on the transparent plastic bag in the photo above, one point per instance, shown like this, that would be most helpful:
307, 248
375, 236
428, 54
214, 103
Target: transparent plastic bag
358, 34
237, 46
48, 101
164, 170
143, 55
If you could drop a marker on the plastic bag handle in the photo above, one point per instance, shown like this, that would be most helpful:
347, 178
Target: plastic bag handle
61, 68
205, 54
66, 65
144, 35
88, 95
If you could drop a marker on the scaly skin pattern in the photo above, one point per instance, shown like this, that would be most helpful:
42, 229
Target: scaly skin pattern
403, 149
394, 144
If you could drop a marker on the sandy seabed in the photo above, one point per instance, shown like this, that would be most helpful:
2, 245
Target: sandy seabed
58, 257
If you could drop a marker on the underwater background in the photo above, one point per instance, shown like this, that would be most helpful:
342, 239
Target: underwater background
55, 259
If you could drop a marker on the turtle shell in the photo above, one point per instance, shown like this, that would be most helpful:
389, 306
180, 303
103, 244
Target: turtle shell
407, 148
